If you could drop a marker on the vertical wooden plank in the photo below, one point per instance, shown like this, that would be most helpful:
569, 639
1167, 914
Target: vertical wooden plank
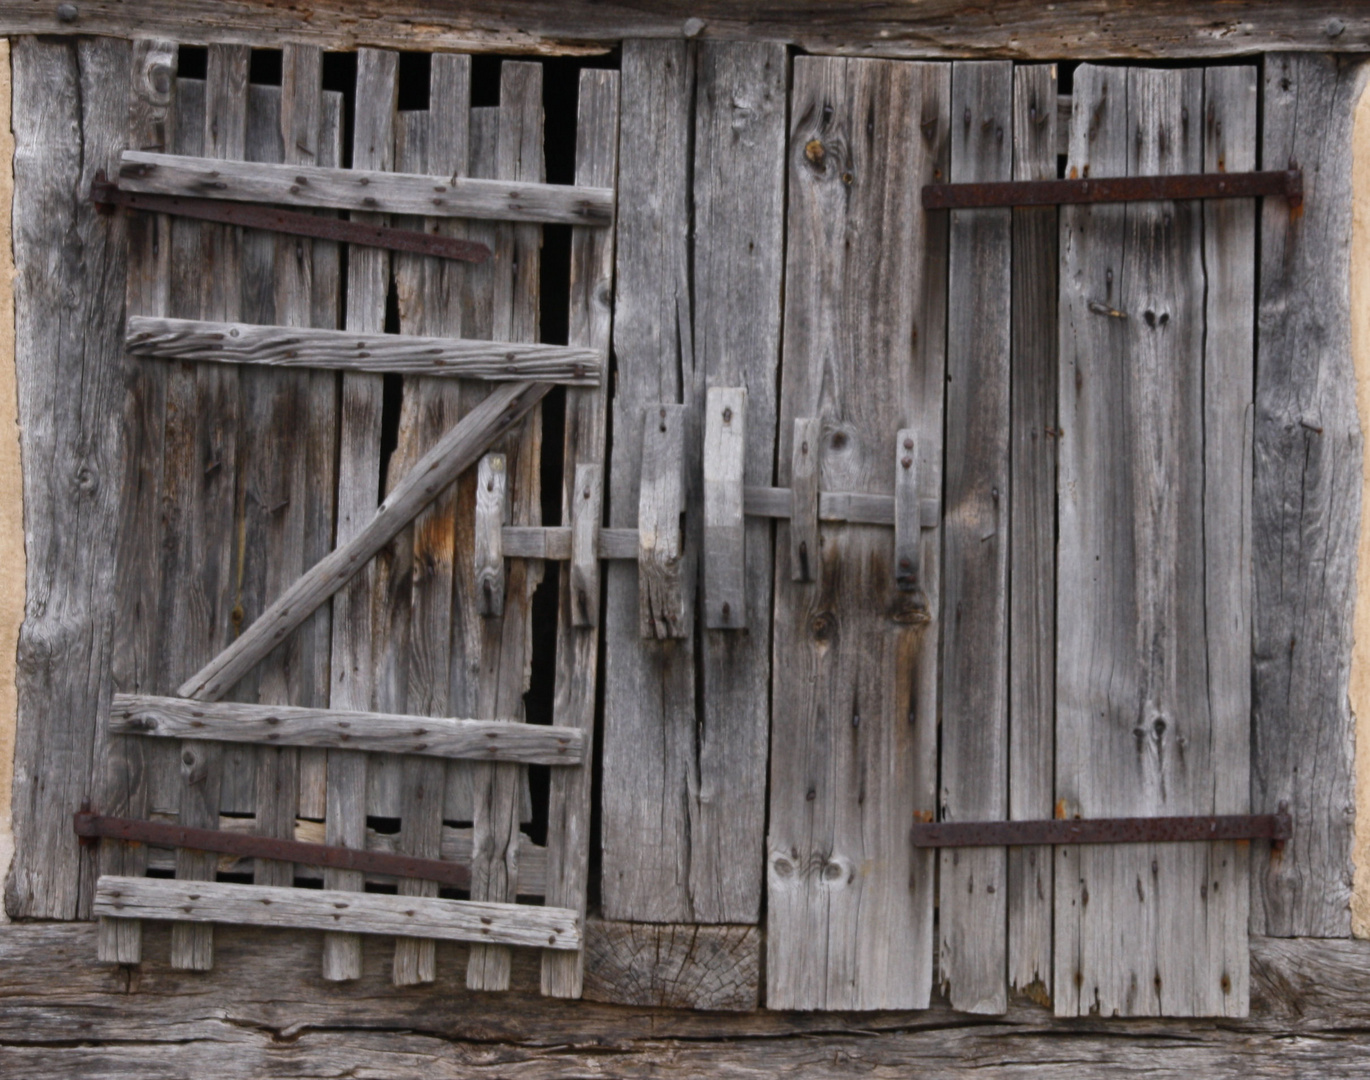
725, 549
586, 509
592, 267
1143, 929
1032, 533
201, 608
124, 790
492, 506
429, 295
664, 597
506, 640
974, 787
368, 280
1307, 497
853, 752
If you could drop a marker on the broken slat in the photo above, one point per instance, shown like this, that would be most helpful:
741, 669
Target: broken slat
908, 539
663, 605
808, 432
283, 725
587, 502
725, 549
492, 507
365, 190
333, 910
391, 354
456, 452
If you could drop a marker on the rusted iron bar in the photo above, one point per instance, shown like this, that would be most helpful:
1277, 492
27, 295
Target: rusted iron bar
159, 834
297, 223
1245, 185
1102, 831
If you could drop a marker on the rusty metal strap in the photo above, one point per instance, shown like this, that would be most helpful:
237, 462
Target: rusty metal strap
1244, 185
264, 847
297, 223
1102, 831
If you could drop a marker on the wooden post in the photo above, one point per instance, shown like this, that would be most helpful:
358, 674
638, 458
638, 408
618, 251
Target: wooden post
725, 539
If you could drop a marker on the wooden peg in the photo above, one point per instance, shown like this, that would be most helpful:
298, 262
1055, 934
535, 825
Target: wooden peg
663, 608
725, 548
492, 499
908, 537
804, 498
586, 501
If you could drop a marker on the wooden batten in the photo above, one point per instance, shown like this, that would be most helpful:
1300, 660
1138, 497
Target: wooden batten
803, 508
664, 609
587, 504
492, 510
725, 540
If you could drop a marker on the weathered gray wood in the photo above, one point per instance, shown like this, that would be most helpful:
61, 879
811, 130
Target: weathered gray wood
673, 966
362, 189
1069, 29
859, 508
506, 642
322, 909
975, 546
288, 725
908, 539
854, 734
725, 541
1145, 929
451, 456
492, 507
664, 594
587, 506
1306, 502
558, 543
122, 785
279, 346
577, 662
1032, 528
359, 424
805, 552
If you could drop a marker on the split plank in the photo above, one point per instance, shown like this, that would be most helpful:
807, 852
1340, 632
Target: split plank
286, 725
366, 190
326, 909
854, 737
291, 347
975, 545
569, 793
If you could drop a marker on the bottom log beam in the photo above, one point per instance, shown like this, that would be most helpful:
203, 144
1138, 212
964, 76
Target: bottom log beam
264, 1012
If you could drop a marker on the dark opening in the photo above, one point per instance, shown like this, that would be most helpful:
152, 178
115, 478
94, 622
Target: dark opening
192, 61
413, 78
264, 68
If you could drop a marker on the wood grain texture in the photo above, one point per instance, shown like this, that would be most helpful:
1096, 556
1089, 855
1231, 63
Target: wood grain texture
975, 545
804, 497
492, 507
1308, 451
288, 725
279, 346
569, 791
587, 510
365, 190
320, 909
673, 966
665, 593
1142, 727
1072, 29
853, 748
724, 558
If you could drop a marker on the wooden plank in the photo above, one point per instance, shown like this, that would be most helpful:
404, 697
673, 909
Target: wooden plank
853, 747
1032, 529
856, 507
506, 641
663, 584
492, 507
975, 546
803, 509
908, 538
364, 190
1144, 929
288, 725
291, 347
557, 542
725, 541
587, 506
123, 785
935, 28
452, 455
352, 686
322, 909
1306, 500
569, 810
673, 966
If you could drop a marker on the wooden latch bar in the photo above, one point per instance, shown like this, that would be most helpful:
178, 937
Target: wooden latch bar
725, 543
1286, 183
1102, 830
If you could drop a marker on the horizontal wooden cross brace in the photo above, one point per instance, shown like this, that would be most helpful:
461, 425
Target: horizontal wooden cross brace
334, 910
364, 190
290, 725
389, 354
